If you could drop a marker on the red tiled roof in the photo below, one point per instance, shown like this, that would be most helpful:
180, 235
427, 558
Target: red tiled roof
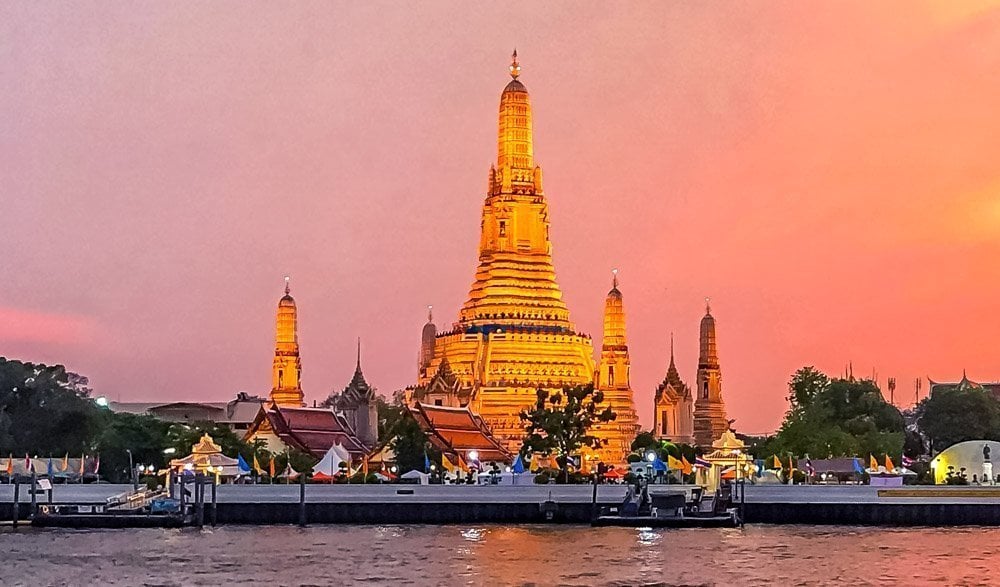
313, 430
458, 430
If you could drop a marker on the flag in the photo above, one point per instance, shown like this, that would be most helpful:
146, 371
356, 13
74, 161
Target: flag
364, 466
889, 467
427, 463
873, 464
28, 465
907, 461
447, 464
461, 464
809, 467
271, 468
687, 468
672, 463
65, 464
777, 462
256, 465
242, 464
791, 467
518, 465
10, 465
83, 462
49, 469
700, 462
97, 464
857, 465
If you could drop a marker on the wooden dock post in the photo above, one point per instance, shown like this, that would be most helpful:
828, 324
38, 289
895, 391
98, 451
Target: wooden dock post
199, 496
17, 495
215, 502
302, 500
34, 494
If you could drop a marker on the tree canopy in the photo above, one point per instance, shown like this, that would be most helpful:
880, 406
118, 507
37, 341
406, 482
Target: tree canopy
560, 422
949, 416
836, 417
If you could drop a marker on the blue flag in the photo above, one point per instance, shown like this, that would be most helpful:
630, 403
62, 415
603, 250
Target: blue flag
658, 464
427, 463
242, 464
518, 465
49, 468
857, 466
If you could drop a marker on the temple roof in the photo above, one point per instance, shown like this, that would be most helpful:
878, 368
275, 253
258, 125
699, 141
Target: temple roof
311, 430
458, 431
673, 378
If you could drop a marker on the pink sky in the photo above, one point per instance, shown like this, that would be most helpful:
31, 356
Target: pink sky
828, 172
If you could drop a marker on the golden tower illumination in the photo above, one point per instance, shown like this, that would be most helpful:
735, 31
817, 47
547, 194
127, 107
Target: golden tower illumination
513, 335
613, 380
710, 420
286, 387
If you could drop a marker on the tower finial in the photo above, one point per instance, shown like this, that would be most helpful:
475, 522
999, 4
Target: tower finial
287, 288
614, 279
515, 67
430, 313
359, 353
708, 305
671, 346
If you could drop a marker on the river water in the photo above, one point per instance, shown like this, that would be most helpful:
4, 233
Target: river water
500, 555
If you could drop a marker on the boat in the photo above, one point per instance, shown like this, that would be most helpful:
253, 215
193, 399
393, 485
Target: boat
677, 508
137, 509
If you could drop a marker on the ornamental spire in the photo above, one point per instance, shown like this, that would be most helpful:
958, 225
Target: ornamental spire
515, 67
614, 279
288, 290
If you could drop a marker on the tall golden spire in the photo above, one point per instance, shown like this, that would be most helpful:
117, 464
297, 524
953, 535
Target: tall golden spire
515, 67
286, 370
614, 316
516, 283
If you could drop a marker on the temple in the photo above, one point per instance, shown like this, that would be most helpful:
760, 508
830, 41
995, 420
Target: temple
459, 434
709, 410
357, 404
673, 406
286, 372
612, 379
513, 334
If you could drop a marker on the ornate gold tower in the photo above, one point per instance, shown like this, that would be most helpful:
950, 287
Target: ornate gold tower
709, 410
286, 386
513, 335
613, 380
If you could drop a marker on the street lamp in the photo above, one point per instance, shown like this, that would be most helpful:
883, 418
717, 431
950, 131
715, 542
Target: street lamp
131, 470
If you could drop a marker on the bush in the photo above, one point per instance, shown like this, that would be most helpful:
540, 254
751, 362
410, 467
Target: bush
633, 458
542, 478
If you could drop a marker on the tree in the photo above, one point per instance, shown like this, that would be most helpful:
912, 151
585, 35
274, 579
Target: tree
45, 410
145, 436
411, 447
949, 416
839, 417
643, 441
561, 423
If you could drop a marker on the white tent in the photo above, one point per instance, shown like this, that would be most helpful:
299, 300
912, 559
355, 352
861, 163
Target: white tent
422, 478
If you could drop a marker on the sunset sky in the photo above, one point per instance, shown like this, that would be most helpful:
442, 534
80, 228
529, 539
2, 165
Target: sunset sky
828, 172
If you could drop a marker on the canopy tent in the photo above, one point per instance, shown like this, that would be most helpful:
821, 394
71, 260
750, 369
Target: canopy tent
416, 476
207, 457
329, 466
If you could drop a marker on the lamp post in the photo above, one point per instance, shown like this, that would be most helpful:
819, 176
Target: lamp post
131, 471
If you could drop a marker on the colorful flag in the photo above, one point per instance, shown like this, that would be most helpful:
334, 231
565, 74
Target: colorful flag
461, 464
65, 464
10, 465
873, 464
427, 463
777, 462
857, 465
83, 461
271, 468
97, 464
364, 466
672, 463
888, 465
700, 462
446, 464
518, 466
791, 467
242, 464
256, 465
28, 465
49, 469
907, 461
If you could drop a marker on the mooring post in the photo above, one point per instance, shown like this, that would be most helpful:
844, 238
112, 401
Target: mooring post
302, 500
199, 496
215, 504
34, 494
17, 495
593, 503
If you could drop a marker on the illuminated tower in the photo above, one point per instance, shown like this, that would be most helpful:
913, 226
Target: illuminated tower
286, 385
513, 334
673, 406
613, 380
709, 410
427, 336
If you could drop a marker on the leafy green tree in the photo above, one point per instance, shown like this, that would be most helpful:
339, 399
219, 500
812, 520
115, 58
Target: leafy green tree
839, 417
46, 410
949, 416
389, 416
410, 445
145, 436
561, 422
643, 441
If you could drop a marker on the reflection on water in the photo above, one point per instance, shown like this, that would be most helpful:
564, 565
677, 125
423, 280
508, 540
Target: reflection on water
500, 555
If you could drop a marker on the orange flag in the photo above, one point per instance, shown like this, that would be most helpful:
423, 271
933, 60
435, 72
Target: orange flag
777, 462
888, 465
873, 464
271, 470
65, 463
83, 460
10, 465
791, 467
364, 466
687, 466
